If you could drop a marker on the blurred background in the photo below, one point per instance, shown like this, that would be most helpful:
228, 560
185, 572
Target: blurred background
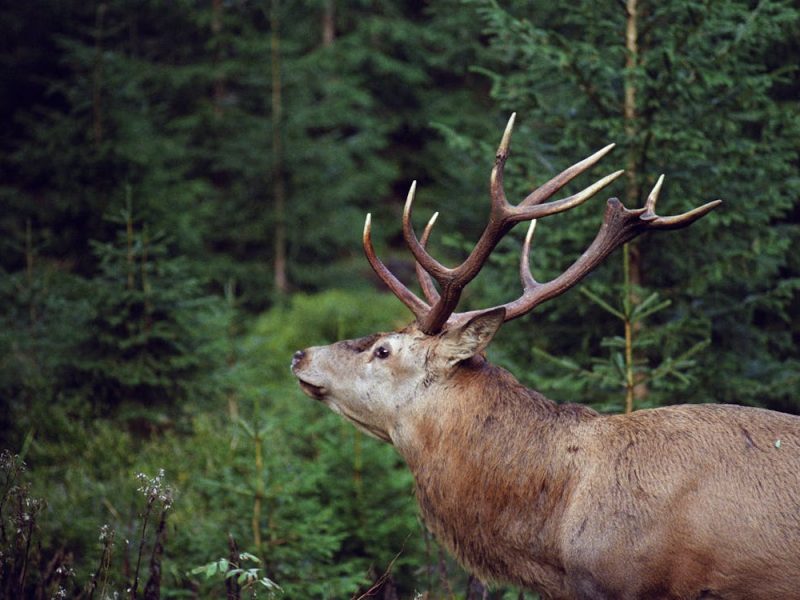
183, 187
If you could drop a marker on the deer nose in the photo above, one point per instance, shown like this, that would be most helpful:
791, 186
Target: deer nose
297, 357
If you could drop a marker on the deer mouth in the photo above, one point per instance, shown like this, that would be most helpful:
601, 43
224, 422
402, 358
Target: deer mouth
314, 391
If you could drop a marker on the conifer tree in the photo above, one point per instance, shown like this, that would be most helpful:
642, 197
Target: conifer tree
706, 106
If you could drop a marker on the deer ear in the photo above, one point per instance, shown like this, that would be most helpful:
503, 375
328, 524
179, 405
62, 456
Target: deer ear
465, 341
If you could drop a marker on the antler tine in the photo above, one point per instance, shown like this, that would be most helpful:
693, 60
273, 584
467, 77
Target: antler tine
676, 221
537, 211
503, 209
620, 225
430, 264
684, 219
528, 282
503, 217
543, 192
406, 296
496, 190
650, 205
424, 278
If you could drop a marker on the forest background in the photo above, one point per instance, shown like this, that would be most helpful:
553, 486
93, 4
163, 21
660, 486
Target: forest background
182, 191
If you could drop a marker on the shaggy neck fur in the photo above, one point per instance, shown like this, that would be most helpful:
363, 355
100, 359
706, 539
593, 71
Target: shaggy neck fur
497, 469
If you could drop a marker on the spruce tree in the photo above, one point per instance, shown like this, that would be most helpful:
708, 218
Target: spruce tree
709, 110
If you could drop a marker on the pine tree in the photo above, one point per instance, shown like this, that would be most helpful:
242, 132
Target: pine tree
151, 337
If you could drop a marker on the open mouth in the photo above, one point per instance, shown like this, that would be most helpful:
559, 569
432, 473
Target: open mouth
315, 391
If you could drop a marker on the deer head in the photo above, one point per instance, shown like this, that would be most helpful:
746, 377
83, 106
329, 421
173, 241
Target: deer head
381, 382
390, 376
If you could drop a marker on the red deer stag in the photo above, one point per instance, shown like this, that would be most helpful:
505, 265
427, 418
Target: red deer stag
692, 501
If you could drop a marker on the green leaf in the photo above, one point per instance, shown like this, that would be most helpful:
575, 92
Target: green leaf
618, 361
248, 429
248, 556
269, 584
648, 306
613, 342
211, 569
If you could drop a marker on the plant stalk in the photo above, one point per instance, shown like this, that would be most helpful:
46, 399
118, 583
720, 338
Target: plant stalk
258, 496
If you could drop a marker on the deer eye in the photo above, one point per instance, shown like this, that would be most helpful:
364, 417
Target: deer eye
381, 352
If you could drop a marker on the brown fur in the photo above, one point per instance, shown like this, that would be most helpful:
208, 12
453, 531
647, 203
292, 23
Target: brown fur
679, 502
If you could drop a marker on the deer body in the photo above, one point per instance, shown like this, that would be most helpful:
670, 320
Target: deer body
683, 502
691, 501
680, 502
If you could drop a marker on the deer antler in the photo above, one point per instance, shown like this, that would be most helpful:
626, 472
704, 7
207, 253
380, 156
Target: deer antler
620, 225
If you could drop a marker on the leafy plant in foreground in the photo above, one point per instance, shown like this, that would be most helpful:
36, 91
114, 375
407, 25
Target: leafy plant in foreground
235, 568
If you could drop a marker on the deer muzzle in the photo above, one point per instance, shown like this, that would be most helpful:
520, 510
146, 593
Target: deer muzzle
299, 363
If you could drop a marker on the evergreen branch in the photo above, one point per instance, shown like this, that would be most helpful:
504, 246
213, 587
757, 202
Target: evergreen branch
567, 364
670, 366
602, 303
584, 83
648, 306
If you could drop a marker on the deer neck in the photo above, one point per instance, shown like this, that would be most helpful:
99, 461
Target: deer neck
493, 471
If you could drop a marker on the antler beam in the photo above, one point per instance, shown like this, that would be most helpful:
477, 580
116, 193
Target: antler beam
619, 226
502, 218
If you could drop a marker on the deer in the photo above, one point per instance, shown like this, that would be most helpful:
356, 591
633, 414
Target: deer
685, 501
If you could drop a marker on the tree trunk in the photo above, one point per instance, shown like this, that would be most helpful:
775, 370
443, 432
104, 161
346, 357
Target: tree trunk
278, 184
632, 188
218, 92
97, 76
632, 257
328, 23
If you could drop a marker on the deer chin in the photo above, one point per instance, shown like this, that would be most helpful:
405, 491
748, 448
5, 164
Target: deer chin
369, 430
314, 391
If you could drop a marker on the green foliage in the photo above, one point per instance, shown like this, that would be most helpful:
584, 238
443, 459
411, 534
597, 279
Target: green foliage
334, 509
237, 571
620, 371
43, 321
712, 112
150, 339
146, 335
142, 333
174, 101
